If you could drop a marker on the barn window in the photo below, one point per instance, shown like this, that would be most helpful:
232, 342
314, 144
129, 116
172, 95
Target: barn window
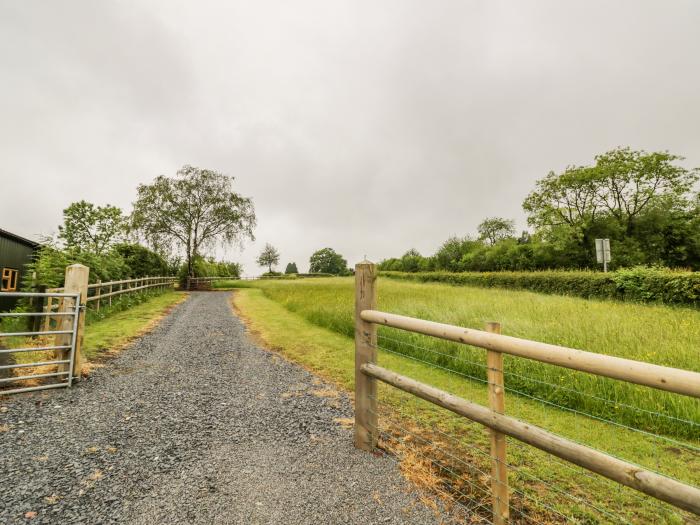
9, 280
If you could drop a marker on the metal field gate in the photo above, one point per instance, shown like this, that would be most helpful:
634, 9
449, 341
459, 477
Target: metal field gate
37, 348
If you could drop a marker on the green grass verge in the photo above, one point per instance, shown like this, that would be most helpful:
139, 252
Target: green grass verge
552, 485
115, 330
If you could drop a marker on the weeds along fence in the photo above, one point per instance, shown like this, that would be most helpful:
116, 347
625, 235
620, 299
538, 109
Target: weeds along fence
48, 347
490, 480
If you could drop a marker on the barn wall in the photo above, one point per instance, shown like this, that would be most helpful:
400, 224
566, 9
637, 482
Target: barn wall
13, 254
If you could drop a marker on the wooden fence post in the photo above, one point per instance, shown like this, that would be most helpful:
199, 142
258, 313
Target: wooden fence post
499, 466
60, 306
98, 292
47, 319
110, 294
39, 308
366, 429
77, 282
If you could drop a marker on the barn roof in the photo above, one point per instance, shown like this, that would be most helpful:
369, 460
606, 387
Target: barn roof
17, 238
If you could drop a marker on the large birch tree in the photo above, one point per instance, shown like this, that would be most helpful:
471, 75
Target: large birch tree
193, 211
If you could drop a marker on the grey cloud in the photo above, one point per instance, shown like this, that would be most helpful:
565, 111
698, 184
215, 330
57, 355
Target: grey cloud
371, 127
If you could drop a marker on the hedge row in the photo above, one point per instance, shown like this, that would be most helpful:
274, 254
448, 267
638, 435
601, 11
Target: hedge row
641, 284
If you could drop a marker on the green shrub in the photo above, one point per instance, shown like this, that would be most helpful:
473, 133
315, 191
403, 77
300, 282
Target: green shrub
50, 266
141, 261
124, 261
640, 284
210, 268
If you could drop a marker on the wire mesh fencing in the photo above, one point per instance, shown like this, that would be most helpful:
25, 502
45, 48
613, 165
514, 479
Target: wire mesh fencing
652, 436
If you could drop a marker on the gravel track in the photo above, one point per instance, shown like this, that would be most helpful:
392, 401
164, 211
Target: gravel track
194, 424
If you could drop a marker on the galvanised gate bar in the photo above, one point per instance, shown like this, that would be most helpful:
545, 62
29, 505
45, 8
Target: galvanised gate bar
51, 352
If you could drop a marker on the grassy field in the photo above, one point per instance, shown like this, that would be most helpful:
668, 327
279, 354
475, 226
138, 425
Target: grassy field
544, 488
656, 334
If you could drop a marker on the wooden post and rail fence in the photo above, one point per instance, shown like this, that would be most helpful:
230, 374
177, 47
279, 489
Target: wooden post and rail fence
76, 281
204, 283
94, 295
367, 373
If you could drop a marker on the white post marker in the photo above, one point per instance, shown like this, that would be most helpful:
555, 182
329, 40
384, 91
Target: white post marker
602, 252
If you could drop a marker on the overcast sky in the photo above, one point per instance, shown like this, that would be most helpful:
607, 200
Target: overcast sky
368, 126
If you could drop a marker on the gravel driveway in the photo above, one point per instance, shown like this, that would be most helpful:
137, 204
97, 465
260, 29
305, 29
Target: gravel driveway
194, 424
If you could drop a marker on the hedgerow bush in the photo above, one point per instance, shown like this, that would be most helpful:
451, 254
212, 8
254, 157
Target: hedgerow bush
209, 267
639, 284
123, 261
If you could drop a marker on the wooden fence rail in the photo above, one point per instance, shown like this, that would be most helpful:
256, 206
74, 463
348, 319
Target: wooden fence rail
204, 283
116, 288
367, 318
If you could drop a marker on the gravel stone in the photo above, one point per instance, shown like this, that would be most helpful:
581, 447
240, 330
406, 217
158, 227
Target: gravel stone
194, 424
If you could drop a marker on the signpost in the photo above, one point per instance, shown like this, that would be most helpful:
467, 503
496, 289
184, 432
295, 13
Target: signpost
602, 252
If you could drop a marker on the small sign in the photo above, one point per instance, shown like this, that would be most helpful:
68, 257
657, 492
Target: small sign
602, 252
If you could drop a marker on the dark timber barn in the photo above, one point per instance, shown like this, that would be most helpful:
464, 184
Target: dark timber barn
15, 252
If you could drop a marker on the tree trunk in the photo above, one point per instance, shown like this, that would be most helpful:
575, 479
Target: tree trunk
190, 259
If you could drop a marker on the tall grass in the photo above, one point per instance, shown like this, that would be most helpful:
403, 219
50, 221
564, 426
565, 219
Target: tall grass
656, 334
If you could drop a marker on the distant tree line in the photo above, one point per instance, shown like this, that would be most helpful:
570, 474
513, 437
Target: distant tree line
323, 261
645, 203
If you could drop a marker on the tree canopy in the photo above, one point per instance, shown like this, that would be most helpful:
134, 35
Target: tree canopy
328, 261
622, 185
92, 229
291, 268
269, 256
496, 229
645, 203
193, 210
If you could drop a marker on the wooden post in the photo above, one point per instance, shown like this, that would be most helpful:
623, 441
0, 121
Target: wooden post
98, 292
48, 308
60, 306
365, 352
77, 282
110, 294
499, 467
38, 307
